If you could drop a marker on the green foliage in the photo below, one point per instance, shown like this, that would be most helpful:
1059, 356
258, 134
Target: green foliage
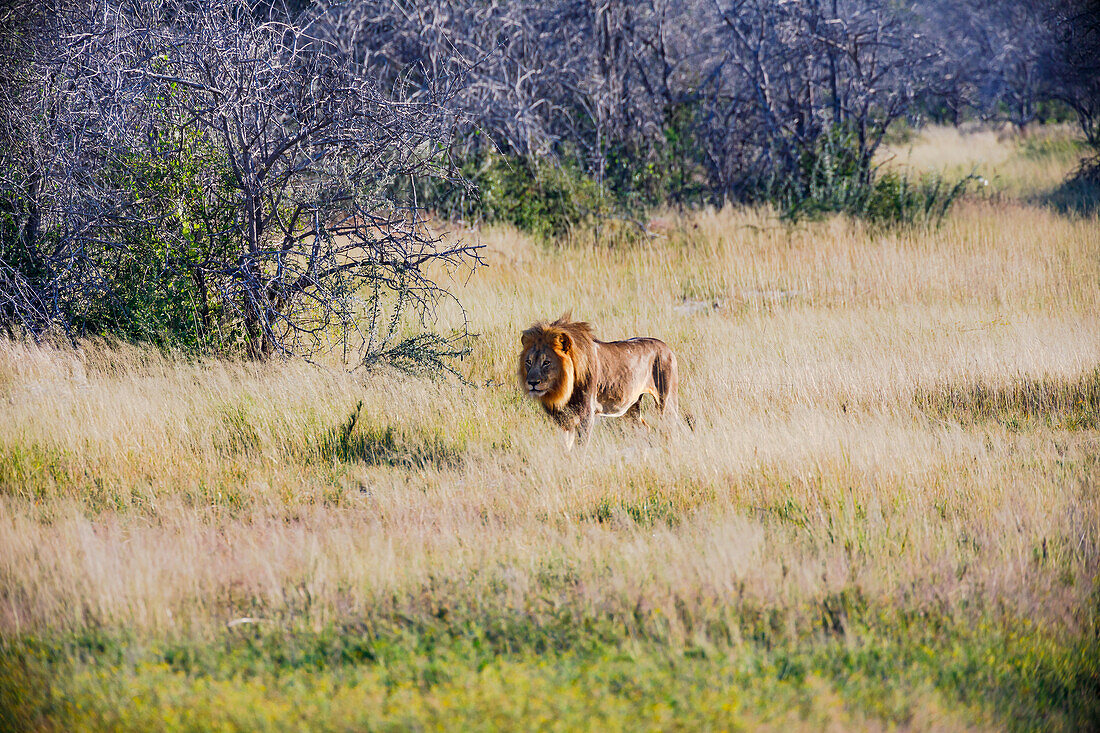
549, 196
1038, 146
547, 199
182, 218
895, 199
1054, 111
543, 198
669, 172
833, 177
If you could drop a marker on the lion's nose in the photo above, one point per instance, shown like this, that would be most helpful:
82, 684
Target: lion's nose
532, 383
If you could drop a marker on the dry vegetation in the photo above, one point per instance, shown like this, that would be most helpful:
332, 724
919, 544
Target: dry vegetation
887, 515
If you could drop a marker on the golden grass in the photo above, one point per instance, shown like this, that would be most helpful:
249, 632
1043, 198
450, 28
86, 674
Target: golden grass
1008, 163
907, 413
145, 490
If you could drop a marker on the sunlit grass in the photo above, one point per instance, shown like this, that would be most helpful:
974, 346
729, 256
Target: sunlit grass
1009, 164
886, 515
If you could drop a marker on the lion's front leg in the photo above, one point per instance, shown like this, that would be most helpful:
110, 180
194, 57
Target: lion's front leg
584, 426
569, 437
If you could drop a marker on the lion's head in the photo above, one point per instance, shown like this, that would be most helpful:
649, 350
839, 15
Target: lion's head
554, 360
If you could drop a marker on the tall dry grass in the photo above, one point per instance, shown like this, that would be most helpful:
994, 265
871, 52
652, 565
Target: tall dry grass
831, 370
1008, 163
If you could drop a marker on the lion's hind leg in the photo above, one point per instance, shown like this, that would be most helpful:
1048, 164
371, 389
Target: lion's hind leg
633, 414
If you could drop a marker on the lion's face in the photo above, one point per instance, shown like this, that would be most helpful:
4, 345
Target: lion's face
540, 370
548, 363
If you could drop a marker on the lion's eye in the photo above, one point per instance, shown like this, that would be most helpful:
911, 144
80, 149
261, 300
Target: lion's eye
545, 363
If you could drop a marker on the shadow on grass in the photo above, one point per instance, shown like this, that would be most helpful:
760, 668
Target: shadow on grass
354, 440
1078, 195
1067, 404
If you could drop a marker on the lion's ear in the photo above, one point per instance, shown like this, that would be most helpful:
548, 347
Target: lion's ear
565, 343
527, 338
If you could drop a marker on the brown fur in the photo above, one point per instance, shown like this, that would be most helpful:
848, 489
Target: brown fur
577, 377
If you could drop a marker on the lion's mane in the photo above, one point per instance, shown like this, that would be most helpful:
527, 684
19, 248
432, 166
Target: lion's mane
573, 343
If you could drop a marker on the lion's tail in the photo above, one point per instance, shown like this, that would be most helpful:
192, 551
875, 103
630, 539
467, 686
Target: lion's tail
667, 379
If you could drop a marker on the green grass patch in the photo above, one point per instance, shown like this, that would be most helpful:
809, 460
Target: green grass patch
573, 670
646, 511
237, 433
1022, 404
1062, 146
648, 501
32, 471
787, 511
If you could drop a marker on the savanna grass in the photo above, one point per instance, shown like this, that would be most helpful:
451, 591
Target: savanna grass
886, 515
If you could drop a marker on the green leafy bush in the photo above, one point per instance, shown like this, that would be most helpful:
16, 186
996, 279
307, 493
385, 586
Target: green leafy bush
548, 198
670, 171
543, 198
833, 177
153, 287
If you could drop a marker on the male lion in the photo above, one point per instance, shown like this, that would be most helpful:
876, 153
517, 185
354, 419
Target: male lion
577, 377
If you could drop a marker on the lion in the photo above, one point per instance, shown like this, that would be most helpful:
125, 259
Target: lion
577, 377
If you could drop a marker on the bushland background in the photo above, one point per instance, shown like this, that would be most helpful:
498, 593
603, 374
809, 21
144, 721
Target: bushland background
262, 273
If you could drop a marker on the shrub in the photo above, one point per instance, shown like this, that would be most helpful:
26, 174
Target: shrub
544, 198
834, 177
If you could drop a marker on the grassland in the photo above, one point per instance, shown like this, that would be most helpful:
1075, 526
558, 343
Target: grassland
887, 516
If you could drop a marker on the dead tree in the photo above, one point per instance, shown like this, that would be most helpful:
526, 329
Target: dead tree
531, 79
798, 75
1074, 67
